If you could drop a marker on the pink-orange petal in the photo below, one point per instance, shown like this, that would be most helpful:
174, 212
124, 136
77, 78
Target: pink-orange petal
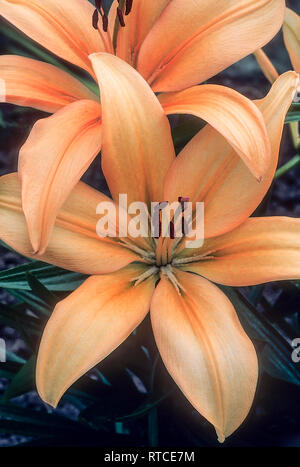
262, 249
137, 147
32, 83
234, 116
194, 40
87, 326
58, 151
74, 243
66, 30
205, 350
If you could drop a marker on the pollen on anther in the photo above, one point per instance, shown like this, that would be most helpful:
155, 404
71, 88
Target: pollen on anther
121, 17
128, 7
105, 23
95, 19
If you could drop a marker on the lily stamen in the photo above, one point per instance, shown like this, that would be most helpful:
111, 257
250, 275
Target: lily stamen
103, 31
167, 271
95, 19
128, 7
121, 17
150, 272
146, 255
191, 259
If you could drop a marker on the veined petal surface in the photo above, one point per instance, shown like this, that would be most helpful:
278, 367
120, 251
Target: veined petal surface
137, 147
194, 40
36, 84
234, 116
209, 171
64, 28
205, 350
58, 151
74, 243
139, 22
87, 326
262, 249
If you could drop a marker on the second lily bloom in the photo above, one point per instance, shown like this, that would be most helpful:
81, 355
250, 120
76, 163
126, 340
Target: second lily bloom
173, 44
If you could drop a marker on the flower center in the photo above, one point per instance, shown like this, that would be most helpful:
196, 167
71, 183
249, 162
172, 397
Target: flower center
162, 271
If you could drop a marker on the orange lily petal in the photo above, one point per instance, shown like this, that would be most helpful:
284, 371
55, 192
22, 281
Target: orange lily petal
58, 151
142, 17
87, 326
65, 30
262, 249
208, 169
291, 35
231, 114
193, 41
137, 148
32, 83
74, 243
205, 350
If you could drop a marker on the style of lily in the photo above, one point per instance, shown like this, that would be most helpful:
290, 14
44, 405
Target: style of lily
196, 328
174, 44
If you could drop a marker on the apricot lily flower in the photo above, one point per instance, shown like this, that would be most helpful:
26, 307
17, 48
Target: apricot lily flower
174, 44
195, 326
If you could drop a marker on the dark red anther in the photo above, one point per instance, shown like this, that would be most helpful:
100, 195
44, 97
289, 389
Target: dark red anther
95, 19
184, 226
105, 23
121, 17
98, 4
128, 6
183, 200
172, 230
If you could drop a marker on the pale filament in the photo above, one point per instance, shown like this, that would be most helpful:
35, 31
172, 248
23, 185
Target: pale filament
192, 259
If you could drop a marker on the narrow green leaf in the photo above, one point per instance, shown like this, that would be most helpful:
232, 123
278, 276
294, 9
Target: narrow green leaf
52, 277
277, 355
14, 357
34, 303
293, 114
40, 290
37, 418
23, 381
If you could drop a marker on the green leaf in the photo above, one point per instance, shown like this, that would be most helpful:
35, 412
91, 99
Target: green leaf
293, 114
291, 164
16, 318
34, 303
23, 381
153, 428
275, 366
9, 369
277, 354
14, 357
40, 290
29, 420
186, 128
52, 277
